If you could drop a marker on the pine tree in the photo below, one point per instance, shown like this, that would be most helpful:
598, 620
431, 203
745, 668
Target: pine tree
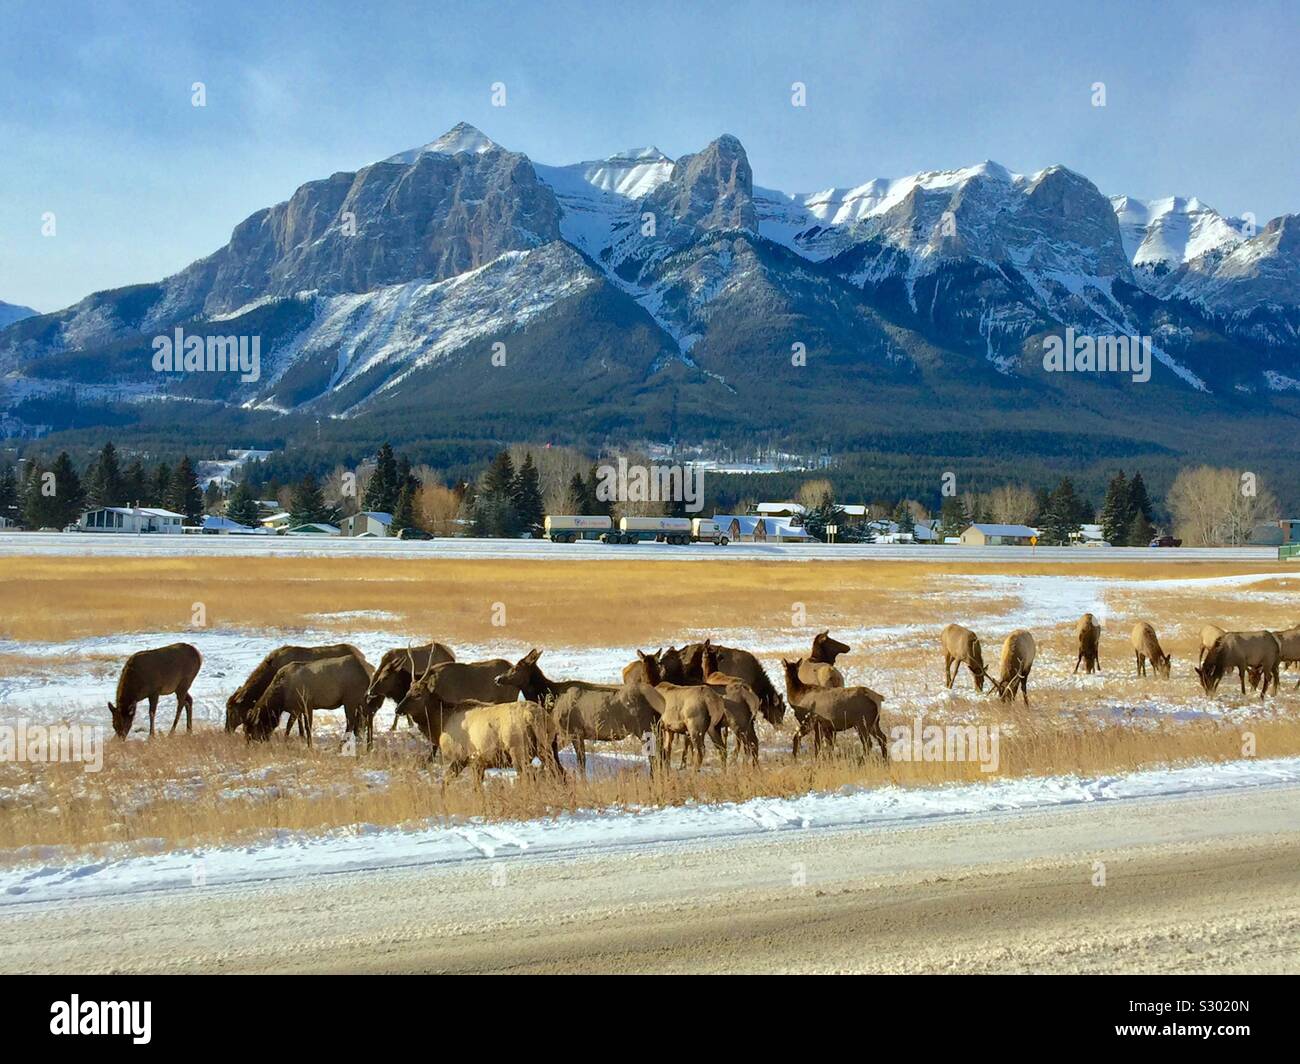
953, 518
1139, 500
213, 502
241, 507
598, 506
903, 519
578, 502
8, 493
1062, 518
160, 485
404, 516
494, 505
1139, 531
135, 485
824, 514
104, 484
526, 494
53, 498
1116, 511
384, 485
183, 494
307, 503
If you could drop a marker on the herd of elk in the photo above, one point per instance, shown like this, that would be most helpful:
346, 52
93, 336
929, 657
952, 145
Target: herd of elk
497, 713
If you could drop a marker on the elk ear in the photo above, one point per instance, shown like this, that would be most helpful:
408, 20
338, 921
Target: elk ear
112, 709
532, 656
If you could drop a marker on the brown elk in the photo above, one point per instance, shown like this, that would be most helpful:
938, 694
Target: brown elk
1289, 641
839, 708
302, 687
1017, 659
150, 674
399, 668
586, 712
670, 668
244, 699
738, 663
1146, 647
961, 647
818, 668
1258, 651
690, 710
1088, 632
448, 684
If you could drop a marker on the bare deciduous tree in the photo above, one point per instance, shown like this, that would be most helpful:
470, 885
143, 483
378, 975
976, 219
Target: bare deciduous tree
1218, 506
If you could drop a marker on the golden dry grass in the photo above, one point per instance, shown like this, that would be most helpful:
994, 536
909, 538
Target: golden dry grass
211, 788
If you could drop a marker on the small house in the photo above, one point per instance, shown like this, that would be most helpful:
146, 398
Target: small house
130, 519
367, 522
981, 535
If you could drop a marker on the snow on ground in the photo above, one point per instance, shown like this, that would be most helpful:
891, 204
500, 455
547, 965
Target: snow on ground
51, 876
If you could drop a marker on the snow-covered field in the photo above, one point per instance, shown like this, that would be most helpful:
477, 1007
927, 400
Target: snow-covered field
90, 544
53, 877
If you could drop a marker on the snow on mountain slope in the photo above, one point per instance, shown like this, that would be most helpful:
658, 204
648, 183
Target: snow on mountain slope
461, 137
388, 333
1173, 230
599, 198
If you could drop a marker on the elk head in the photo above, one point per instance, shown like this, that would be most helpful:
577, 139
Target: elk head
122, 719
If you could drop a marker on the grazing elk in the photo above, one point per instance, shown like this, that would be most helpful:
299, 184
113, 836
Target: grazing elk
487, 735
399, 668
1209, 633
1289, 641
690, 710
1088, 632
839, 708
818, 668
961, 647
243, 700
452, 682
150, 674
586, 712
1146, 647
1244, 651
302, 687
738, 663
1018, 651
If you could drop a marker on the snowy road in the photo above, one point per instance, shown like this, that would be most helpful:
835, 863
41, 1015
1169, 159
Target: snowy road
89, 544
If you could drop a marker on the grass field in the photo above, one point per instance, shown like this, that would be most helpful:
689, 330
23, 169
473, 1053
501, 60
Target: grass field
68, 622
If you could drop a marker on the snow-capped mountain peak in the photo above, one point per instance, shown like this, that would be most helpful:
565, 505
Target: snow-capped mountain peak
1173, 230
462, 137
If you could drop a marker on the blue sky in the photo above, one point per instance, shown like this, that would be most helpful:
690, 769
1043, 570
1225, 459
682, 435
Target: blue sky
96, 123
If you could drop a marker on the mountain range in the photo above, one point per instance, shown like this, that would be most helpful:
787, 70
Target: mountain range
462, 291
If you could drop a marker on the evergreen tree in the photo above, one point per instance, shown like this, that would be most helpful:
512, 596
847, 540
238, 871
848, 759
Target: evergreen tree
1116, 511
1139, 531
1139, 500
494, 512
1062, 518
104, 485
1042, 503
953, 518
183, 494
404, 516
53, 498
579, 501
241, 506
384, 485
135, 485
526, 494
307, 502
598, 506
8, 493
903, 518
160, 486
825, 513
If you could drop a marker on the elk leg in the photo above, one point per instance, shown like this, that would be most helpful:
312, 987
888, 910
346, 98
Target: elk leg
153, 708
880, 738
180, 704
580, 752
1024, 688
1078, 660
949, 673
864, 737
